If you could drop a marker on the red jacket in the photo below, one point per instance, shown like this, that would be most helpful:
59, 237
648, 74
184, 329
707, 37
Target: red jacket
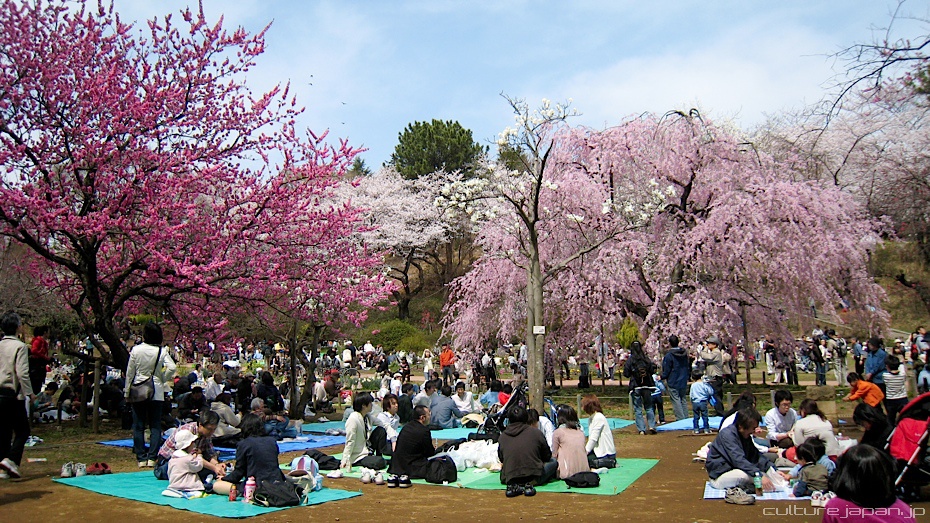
446, 358
39, 349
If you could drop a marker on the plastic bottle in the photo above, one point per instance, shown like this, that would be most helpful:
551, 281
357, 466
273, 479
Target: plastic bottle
756, 481
249, 490
232, 493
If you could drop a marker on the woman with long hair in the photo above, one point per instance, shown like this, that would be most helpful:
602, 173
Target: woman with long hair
639, 369
600, 446
568, 444
864, 487
814, 424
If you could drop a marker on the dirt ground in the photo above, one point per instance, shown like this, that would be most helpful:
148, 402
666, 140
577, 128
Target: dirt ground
670, 492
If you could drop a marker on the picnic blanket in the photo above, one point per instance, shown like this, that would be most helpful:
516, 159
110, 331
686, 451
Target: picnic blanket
313, 442
781, 495
460, 432
613, 482
687, 424
144, 487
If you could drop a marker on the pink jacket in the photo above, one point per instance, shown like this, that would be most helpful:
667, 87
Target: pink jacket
182, 471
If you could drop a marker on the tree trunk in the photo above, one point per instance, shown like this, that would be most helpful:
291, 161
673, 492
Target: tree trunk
292, 377
535, 344
403, 307
747, 346
310, 366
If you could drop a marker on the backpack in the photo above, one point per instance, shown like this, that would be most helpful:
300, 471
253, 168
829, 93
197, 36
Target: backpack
583, 480
841, 348
441, 470
276, 494
325, 461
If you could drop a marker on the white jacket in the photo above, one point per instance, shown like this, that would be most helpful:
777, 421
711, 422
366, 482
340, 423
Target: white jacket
600, 439
356, 440
142, 361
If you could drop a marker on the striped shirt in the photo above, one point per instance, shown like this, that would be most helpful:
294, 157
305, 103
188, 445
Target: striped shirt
895, 385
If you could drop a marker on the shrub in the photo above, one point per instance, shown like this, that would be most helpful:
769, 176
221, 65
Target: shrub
415, 344
390, 334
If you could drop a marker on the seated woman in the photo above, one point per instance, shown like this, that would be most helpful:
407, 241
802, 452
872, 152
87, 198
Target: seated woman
185, 468
600, 445
875, 424
489, 398
733, 459
813, 424
864, 485
359, 436
526, 459
227, 431
389, 419
568, 443
256, 456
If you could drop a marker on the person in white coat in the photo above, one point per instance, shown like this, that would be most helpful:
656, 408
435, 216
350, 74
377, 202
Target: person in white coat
148, 360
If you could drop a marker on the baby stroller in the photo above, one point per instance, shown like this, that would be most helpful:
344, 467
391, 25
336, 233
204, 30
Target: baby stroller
495, 421
907, 444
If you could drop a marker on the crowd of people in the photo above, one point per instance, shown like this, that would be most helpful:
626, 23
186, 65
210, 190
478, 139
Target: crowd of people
176, 425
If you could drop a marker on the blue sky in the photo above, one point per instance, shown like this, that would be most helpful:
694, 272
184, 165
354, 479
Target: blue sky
365, 69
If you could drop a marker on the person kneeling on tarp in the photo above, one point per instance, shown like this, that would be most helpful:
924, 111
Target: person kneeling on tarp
526, 459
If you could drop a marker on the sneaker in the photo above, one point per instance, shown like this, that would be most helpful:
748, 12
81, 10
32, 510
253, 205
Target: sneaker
142, 464
379, 479
366, 476
817, 499
514, 491
652, 431
529, 490
708, 431
602, 470
11, 468
404, 482
642, 433
696, 431
335, 474
80, 469
323, 419
150, 464
393, 481
67, 470
738, 496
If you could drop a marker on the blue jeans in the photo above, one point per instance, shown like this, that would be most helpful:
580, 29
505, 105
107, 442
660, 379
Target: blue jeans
679, 401
642, 400
821, 371
146, 413
700, 409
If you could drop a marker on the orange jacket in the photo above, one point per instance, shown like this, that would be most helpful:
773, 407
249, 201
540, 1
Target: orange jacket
868, 391
446, 358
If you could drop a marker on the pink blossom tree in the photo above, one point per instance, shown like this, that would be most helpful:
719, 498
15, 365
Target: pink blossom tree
141, 168
673, 221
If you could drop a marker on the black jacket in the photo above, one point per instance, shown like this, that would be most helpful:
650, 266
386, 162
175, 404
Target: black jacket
413, 449
523, 452
405, 408
258, 457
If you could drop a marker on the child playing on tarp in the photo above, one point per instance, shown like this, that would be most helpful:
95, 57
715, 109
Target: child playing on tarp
701, 394
183, 468
870, 393
812, 474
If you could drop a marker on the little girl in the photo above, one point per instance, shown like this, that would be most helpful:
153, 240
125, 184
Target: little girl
184, 466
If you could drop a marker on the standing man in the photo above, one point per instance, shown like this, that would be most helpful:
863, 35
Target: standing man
148, 360
675, 372
14, 389
447, 364
713, 361
859, 355
875, 363
840, 367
